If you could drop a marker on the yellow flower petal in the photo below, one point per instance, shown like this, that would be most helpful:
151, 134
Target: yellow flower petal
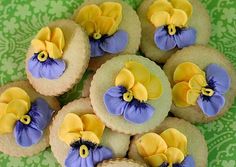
125, 78
140, 92
94, 124
197, 82
89, 26
53, 50
192, 96
114, 11
140, 72
38, 45
178, 18
105, 25
154, 87
179, 93
175, 138
156, 160
150, 144
184, 5
3, 107
174, 155
58, 38
90, 136
69, 138
44, 34
14, 93
160, 18
158, 6
17, 107
7, 123
185, 71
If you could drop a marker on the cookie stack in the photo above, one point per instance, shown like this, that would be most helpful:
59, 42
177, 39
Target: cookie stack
134, 110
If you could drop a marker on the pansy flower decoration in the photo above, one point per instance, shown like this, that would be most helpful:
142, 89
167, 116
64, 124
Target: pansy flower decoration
203, 88
47, 60
169, 149
83, 134
134, 86
101, 22
26, 120
170, 19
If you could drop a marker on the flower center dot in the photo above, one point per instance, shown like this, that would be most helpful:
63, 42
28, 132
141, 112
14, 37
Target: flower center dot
83, 151
42, 56
97, 35
207, 91
25, 119
171, 29
128, 96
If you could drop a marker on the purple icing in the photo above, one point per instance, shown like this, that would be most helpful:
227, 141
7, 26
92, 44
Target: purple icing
49, 69
40, 114
183, 38
96, 154
109, 44
134, 111
187, 162
219, 81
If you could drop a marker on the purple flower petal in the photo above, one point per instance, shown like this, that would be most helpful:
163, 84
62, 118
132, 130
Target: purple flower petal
100, 154
188, 162
137, 112
163, 40
113, 100
35, 66
219, 76
26, 135
115, 43
185, 37
96, 51
212, 105
73, 159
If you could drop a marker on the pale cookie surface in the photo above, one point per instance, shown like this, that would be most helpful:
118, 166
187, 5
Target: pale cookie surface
7, 142
118, 143
129, 23
105, 79
197, 146
123, 162
201, 56
199, 20
76, 54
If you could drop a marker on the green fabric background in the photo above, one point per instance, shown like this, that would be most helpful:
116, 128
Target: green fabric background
21, 19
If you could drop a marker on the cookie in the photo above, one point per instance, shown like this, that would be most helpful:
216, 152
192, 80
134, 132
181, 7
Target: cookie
57, 57
11, 140
121, 35
175, 129
219, 79
191, 26
130, 94
114, 142
120, 163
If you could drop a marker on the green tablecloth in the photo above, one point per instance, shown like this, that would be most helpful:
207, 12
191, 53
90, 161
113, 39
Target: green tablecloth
21, 19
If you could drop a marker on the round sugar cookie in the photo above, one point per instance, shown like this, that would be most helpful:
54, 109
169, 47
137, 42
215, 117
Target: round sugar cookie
201, 56
117, 142
199, 20
8, 144
76, 55
129, 23
197, 146
105, 79
122, 162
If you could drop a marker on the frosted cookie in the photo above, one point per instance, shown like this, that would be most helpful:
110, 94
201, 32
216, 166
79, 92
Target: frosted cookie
24, 119
113, 28
57, 58
123, 162
174, 143
131, 94
78, 137
169, 25
203, 83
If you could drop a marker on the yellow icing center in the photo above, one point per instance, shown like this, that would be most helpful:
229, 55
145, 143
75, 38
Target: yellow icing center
42, 56
98, 20
83, 151
170, 147
25, 119
139, 82
207, 91
171, 29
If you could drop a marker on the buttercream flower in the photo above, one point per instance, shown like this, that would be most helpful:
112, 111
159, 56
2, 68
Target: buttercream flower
170, 19
83, 134
194, 86
101, 23
164, 150
134, 85
26, 120
47, 60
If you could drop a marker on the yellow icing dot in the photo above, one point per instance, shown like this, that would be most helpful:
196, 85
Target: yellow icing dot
171, 29
128, 96
97, 35
42, 56
83, 151
207, 91
25, 119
